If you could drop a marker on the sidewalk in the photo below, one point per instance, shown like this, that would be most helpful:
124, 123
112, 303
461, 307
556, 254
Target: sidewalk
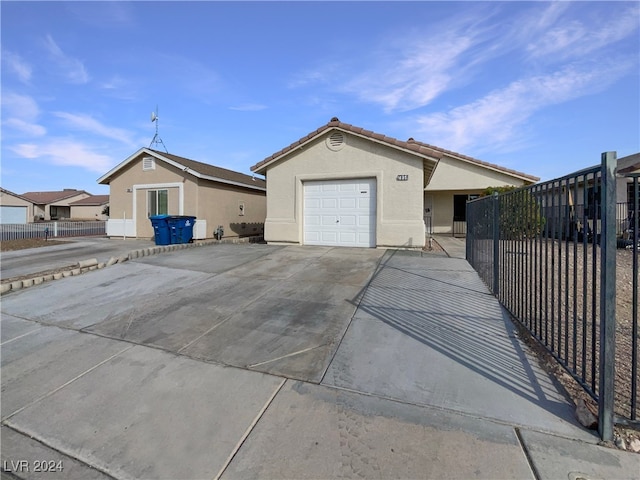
453, 246
156, 373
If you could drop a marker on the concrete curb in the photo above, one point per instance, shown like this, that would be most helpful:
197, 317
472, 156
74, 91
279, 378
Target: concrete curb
92, 264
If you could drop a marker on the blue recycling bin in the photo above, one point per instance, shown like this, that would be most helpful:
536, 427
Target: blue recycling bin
181, 228
160, 229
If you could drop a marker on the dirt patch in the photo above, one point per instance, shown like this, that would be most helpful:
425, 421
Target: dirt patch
21, 244
433, 247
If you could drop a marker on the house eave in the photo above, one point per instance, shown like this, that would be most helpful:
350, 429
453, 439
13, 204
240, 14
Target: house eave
106, 178
261, 169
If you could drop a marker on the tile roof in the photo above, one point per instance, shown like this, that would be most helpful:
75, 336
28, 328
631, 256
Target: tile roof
214, 172
93, 200
419, 148
45, 198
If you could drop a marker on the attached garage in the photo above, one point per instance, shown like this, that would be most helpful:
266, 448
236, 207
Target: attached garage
342, 185
340, 212
11, 214
348, 187
14, 208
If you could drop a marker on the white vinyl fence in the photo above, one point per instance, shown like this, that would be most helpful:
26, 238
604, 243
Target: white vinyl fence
17, 231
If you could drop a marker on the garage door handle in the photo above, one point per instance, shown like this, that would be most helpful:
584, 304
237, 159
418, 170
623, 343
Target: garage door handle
337, 221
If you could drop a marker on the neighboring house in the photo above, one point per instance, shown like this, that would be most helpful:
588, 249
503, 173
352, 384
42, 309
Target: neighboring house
14, 208
150, 182
346, 186
628, 167
54, 205
90, 208
569, 203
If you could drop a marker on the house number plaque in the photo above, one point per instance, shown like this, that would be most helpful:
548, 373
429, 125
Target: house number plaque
402, 178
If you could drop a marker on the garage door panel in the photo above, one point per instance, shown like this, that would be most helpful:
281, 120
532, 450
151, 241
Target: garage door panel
313, 203
348, 187
329, 220
348, 221
364, 220
329, 238
347, 238
329, 203
13, 214
346, 209
349, 203
312, 220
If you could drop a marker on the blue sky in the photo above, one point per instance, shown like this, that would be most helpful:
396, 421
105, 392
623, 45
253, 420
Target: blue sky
539, 87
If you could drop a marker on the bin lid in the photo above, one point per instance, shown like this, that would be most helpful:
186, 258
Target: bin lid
158, 217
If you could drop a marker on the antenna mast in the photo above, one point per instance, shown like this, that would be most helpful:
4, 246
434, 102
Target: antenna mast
156, 138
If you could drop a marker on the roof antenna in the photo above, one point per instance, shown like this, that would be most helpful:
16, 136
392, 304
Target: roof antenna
156, 138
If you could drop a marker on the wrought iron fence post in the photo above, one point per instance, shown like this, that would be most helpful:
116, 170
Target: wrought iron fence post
607, 296
496, 243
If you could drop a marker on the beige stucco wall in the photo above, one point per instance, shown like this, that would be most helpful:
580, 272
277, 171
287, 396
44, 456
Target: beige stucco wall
10, 200
63, 203
459, 177
87, 212
130, 186
13, 201
454, 174
219, 204
211, 203
399, 219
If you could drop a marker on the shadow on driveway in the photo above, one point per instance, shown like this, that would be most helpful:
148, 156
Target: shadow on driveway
427, 331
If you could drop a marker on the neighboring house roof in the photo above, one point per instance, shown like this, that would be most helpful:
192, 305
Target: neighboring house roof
45, 198
629, 164
193, 167
9, 192
411, 145
92, 201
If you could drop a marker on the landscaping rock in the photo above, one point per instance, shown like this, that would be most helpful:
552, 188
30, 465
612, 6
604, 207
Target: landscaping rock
585, 416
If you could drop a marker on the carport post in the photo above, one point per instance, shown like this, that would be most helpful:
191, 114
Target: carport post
496, 242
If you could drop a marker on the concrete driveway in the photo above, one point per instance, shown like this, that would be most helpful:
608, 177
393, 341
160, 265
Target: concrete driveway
257, 361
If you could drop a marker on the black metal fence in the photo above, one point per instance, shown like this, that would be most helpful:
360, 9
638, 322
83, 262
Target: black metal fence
562, 257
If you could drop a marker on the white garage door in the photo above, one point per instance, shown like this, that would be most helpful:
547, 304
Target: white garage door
10, 214
340, 212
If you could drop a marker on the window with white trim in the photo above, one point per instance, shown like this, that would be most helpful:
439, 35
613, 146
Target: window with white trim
157, 202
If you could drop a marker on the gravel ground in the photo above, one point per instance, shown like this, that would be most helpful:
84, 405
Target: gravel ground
11, 245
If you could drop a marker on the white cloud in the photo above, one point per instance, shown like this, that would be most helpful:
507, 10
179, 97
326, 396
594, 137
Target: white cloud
65, 153
17, 66
497, 119
120, 88
420, 75
577, 37
89, 124
409, 70
249, 107
72, 68
20, 113
31, 129
21, 106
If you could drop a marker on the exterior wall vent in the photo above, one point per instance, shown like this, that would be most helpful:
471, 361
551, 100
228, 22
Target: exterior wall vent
335, 141
148, 163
